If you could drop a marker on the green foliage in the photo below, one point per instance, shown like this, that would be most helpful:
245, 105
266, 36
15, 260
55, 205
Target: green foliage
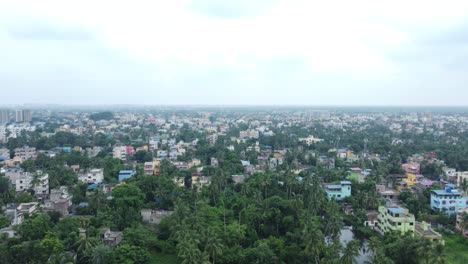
36, 227
4, 221
126, 205
128, 254
101, 116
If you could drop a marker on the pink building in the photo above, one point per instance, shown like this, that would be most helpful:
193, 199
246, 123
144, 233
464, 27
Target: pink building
130, 150
413, 168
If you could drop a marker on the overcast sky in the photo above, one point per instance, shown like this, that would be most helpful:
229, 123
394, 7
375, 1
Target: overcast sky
282, 52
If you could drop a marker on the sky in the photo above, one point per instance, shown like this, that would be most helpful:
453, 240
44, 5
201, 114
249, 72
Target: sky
234, 52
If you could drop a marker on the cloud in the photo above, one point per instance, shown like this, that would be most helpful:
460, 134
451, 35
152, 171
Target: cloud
231, 52
231, 9
43, 30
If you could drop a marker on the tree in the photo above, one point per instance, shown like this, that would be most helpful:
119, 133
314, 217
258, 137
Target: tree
213, 246
4, 221
35, 227
49, 247
100, 254
351, 252
131, 254
464, 222
464, 186
126, 205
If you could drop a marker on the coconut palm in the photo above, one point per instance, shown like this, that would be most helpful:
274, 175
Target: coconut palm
464, 222
213, 246
438, 254
351, 252
464, 186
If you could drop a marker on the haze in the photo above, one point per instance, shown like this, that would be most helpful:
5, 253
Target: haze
282, 52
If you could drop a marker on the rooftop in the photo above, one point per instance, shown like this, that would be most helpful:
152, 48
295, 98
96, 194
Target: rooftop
397, 210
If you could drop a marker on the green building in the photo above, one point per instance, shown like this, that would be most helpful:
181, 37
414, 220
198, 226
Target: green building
395, 218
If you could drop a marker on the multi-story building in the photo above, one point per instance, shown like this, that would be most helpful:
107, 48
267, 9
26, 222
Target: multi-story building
449, 200
4, 154
212, 139
338, 191
395, 218
92, 176
26, 153
19, 116
152, 168
424, 230
120, 152
39, 182
4, 116
27, 116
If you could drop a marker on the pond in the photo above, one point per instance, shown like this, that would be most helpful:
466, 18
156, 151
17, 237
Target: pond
346, 236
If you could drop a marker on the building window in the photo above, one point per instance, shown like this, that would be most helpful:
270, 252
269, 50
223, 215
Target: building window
411, 223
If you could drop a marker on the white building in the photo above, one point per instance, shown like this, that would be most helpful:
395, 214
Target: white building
120, 152
26, 153
310, 140
92, 176
26, 181
4, 154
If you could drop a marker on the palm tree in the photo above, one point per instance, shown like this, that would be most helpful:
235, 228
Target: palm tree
464, 186
463, 223
100, 254
351, 252
333, 221
213, 246
437, 254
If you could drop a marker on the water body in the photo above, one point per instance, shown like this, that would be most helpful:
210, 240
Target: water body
346, 236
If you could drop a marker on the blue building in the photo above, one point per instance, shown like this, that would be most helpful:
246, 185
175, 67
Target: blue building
449, 200
338, 191
126, 174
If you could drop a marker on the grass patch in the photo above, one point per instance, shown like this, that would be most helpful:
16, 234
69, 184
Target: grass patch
456, 248
160, 258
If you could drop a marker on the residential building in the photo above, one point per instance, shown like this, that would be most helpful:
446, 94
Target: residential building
93, 176
410, 180
60, 201
24, 209
338, 191
154, 216
4, 116
212, 139
214, 162
120, 152
4, 154
424, 230
111, 238
395, 218
372, 219
460, 177
199, 180
126, 174
388, 194
459, 222
25, 153
310, 140
27, 116
39, 182
449, 200
19, 116
413, 168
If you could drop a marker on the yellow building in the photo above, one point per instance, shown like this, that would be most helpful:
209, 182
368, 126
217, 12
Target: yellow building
410, 179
